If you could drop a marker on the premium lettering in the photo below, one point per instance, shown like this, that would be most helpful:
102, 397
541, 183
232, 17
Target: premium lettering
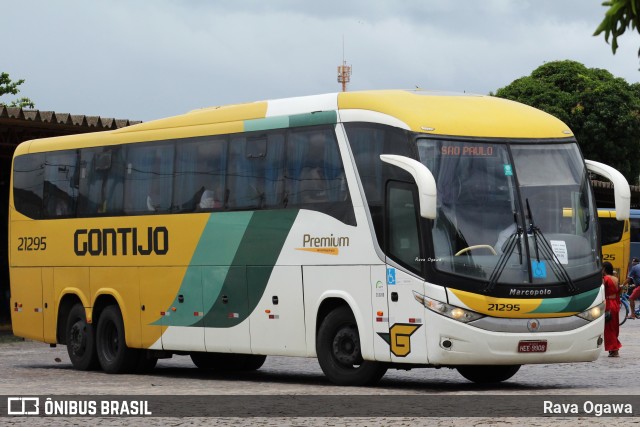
308, 241
121, 241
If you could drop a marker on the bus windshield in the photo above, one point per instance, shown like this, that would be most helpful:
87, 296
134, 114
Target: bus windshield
611, 230
511, 213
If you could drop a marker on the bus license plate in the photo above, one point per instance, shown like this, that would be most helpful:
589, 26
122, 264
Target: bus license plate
532, 346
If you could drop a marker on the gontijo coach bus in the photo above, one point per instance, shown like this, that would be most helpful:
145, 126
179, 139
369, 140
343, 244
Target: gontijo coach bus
371, 230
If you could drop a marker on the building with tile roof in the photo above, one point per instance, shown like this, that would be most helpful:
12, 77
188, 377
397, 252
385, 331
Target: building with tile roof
18, 125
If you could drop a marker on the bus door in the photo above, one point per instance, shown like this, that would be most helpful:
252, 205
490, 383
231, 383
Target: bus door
407, 337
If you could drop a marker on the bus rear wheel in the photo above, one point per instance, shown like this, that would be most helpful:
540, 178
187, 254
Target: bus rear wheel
114, 355
80, 338
483, 374
339, 353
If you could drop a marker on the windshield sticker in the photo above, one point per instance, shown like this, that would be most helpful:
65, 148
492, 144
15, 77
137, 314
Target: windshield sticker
391, 276
508, 171
560, 249
539, 269
468, 151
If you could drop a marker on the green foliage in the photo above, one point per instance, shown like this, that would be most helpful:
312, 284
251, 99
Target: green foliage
603, 111
622, 14
7, 86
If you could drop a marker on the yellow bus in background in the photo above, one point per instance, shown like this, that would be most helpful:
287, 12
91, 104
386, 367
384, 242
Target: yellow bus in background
615, 238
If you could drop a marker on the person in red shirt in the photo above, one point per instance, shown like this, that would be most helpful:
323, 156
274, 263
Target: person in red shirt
612, 301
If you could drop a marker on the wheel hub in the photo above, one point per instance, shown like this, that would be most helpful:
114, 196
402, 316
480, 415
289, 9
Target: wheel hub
346, 346
78, 338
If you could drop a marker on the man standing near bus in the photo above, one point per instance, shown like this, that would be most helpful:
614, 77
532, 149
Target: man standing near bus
633, 278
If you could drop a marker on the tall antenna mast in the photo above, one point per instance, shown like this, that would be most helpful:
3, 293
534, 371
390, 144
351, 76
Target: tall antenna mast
344, 71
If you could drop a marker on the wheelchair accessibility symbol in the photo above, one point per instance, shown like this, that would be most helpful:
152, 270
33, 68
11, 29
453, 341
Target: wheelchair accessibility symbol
391, 276
539, 269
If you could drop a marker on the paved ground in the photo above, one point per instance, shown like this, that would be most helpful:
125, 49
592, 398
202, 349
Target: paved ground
35, 368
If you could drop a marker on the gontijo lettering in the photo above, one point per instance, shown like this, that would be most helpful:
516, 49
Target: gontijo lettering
121, 241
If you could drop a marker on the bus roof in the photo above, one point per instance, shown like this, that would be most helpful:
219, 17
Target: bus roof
435, 113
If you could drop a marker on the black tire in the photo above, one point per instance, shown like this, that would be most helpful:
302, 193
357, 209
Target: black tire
250, 362
339, 354
487, 374
145, 363
114, 355
624, 313
80, 339
208, 361
228, 362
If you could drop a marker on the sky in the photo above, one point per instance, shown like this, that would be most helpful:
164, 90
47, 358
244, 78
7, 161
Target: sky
143, 60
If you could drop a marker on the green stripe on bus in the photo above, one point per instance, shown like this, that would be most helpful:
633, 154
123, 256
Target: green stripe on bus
296, 120
313, 119
266, 123
574, 304
251, 268
218, 245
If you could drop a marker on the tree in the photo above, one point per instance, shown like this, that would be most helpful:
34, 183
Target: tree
9, 87
603, 111
621, 15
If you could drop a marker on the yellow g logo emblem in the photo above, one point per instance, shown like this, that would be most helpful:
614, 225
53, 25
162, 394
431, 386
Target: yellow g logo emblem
399, 338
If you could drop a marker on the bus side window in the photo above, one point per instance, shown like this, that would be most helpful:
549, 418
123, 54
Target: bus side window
314, 168
28, 178
315, 174
200, 174
101, 181
60, 184
148, 178
255, 172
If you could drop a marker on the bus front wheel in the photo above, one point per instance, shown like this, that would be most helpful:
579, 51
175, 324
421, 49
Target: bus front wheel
483, 374
80, 338
339, 352
114, 355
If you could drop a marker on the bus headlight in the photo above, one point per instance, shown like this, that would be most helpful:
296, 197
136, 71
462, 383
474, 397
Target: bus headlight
448, 310
593, 313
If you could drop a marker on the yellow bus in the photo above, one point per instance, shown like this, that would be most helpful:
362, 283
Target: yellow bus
371, 230
615, 238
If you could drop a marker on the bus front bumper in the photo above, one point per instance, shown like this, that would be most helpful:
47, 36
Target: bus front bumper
450, 342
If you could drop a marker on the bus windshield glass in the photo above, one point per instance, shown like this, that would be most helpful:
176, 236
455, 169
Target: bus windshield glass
511, 213
610, 231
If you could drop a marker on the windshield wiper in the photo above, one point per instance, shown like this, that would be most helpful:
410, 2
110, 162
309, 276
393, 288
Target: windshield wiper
548, 253
512, 240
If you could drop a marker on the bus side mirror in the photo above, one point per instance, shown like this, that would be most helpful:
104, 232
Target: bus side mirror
424, 179
621, 191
